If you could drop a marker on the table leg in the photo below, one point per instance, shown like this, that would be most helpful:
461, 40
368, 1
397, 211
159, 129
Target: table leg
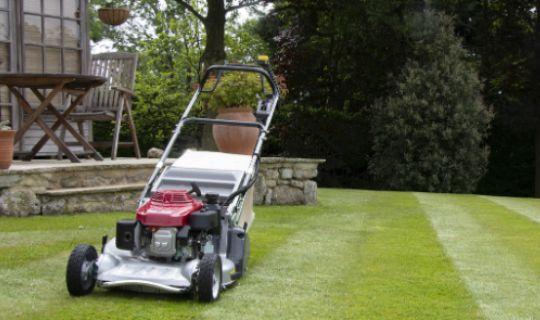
61, 120
50, 133
33, 114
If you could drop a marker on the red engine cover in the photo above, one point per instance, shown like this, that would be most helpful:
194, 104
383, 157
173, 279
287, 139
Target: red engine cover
168, 208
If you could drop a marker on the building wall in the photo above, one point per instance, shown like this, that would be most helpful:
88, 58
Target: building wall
40, 36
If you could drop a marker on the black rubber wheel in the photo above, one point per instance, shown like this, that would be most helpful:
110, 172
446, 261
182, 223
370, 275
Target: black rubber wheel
80, 274
209, 278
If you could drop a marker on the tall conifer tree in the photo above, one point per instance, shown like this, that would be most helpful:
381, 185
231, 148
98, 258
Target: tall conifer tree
429, 133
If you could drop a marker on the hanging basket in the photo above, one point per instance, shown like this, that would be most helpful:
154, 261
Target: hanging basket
113, 16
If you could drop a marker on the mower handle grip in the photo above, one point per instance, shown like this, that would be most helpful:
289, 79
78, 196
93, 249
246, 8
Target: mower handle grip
245, 68
224, 122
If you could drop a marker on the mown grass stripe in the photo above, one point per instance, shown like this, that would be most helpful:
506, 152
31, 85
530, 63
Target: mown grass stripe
40, 238
27, 289
365, 258
503, 287
296, 278
529, 208
61, 222
511, 230
403, 271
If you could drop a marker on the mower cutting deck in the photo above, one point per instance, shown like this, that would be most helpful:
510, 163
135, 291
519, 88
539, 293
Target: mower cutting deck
191, 226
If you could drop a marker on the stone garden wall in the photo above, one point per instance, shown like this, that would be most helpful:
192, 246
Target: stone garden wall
287, 181
59, 188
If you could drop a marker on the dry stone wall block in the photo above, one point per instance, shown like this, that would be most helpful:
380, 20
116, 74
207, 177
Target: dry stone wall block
287, 195
310, 192
19, 203
297, 184
260, 190
305, 173
286, 173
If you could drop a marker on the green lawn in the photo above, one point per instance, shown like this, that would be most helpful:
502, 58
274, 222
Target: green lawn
357, 255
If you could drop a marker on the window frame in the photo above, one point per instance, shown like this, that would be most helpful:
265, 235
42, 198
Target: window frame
12, 44
82, 21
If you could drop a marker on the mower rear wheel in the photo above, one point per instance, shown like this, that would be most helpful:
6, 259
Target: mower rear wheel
80, 274
209, 278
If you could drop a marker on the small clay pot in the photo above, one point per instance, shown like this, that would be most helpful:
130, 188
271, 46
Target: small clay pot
6, 148
233, 139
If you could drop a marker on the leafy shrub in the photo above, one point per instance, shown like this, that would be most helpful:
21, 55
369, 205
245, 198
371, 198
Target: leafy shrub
235, 89
429, 134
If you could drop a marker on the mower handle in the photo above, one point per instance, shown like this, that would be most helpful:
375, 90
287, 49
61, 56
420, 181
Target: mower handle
224, 122
263, 127
244, 68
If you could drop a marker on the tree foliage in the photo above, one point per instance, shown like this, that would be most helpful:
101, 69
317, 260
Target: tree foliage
338, 57
429, 134
338, 54
170, 43
504, 36
213, 15
236, 89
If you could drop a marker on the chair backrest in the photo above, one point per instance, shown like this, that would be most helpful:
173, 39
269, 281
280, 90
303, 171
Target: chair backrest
119, 68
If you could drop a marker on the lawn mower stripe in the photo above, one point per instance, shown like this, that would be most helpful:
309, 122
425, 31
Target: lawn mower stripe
320, 272
15, 257
511, 229
502, 286
529, 208
390, 272
32, 287
34, 238
296, 278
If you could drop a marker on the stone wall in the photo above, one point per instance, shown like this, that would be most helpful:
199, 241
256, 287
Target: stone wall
49, 188
287, 181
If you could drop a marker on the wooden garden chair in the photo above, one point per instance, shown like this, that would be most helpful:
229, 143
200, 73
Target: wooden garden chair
113, 100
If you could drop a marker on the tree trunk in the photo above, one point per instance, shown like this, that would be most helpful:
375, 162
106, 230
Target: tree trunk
214, 51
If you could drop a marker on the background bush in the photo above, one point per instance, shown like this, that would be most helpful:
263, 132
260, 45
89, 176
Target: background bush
429, 135
339, 137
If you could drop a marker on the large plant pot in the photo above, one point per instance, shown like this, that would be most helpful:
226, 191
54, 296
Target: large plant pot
113, 16
231, 139
6, 148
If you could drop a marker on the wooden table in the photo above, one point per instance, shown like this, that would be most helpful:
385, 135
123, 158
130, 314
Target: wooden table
74, 84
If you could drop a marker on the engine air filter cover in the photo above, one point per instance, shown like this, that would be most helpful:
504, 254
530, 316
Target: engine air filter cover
168, 208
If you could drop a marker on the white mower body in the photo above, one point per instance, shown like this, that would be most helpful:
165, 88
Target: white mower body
132, 270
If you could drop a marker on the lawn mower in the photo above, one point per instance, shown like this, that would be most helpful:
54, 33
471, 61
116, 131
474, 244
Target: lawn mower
190, 233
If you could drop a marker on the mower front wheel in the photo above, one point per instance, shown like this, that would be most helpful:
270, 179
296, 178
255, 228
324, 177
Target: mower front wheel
80, 273
209, 278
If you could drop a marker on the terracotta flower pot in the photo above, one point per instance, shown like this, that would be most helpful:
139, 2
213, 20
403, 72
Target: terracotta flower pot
230, 139
113, 16
6, 148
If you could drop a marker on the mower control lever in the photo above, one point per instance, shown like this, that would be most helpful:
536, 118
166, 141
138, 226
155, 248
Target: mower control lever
195, 189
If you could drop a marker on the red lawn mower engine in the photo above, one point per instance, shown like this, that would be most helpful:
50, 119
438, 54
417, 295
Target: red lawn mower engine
172, 225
